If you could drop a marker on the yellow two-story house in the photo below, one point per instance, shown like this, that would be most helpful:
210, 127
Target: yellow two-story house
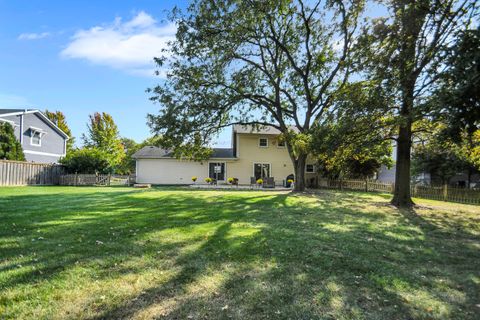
255, 154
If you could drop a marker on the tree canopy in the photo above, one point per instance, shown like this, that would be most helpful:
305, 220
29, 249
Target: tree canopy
276, 63
58, 118
103, 135
406, 53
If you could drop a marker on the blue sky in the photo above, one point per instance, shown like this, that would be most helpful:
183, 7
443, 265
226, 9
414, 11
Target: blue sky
85, 56
52, 56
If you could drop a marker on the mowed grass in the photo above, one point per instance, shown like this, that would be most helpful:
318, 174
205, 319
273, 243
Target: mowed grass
120, 253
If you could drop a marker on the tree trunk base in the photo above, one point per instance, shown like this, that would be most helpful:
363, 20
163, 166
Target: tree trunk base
402, 203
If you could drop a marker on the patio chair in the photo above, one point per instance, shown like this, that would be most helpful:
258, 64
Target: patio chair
269, 182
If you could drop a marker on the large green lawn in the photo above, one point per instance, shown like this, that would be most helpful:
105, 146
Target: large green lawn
116, 253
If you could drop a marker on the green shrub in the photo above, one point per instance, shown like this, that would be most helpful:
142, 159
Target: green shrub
10, 147
87, 160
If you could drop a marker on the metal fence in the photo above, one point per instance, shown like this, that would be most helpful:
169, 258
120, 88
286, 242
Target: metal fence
20, 173
443, 193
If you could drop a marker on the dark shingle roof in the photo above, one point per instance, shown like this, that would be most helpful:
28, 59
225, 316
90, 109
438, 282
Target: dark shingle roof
150, 152
4, 111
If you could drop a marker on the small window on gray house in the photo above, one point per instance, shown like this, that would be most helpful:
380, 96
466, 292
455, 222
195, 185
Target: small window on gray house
36, 138
281, 144
263, 142
310, 168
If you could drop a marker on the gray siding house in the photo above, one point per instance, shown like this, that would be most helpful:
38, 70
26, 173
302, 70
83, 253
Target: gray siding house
42, 141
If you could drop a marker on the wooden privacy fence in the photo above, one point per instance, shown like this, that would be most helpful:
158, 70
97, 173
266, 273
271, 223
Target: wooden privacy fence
443, 193
19, 173
95, 180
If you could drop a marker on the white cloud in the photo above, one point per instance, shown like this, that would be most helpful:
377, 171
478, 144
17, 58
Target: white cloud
129, 45
33, 36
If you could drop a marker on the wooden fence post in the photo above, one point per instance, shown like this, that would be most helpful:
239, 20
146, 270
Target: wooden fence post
109, 177
445, 192
76, 179
366, 185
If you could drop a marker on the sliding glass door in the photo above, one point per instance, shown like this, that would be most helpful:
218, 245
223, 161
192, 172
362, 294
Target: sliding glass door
261, 170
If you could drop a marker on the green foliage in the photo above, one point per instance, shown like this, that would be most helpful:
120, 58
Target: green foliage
442, 156
10, 147
127, 165
355, 141
103, 135
87, 160
457, 99
253, 62
404, 53
58, 118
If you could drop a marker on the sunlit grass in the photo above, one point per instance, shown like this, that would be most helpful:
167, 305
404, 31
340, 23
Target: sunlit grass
96, 253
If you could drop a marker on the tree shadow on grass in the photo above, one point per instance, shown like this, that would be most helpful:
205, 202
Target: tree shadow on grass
255, 256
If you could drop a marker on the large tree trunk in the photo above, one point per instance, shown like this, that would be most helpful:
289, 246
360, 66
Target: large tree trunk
401, 196
299, 166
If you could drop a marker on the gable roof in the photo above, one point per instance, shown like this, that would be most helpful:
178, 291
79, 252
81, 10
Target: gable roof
15, 112
151, 152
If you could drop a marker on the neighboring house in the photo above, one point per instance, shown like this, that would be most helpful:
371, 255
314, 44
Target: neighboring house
461, 179
385, 174
42, 141
254, 153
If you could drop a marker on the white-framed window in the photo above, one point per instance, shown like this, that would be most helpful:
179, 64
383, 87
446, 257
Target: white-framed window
310, 168
36, 139
281, 144
36, 136
263, 142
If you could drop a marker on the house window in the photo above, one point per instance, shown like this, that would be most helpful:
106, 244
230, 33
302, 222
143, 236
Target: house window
261, 170
263, 142
310, 168
216, 170
36, 138
281, 144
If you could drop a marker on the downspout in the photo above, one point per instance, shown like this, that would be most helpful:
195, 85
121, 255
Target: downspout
21, 129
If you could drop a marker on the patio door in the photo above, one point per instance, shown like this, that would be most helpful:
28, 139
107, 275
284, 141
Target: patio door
216, 170
261, 170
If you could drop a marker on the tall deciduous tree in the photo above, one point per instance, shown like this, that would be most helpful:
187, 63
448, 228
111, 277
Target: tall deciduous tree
262, 63
58, 118
406, 56
103, 134
10, 147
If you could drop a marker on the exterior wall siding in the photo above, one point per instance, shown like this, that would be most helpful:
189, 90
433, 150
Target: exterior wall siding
173, 171
52, 144
386, 175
